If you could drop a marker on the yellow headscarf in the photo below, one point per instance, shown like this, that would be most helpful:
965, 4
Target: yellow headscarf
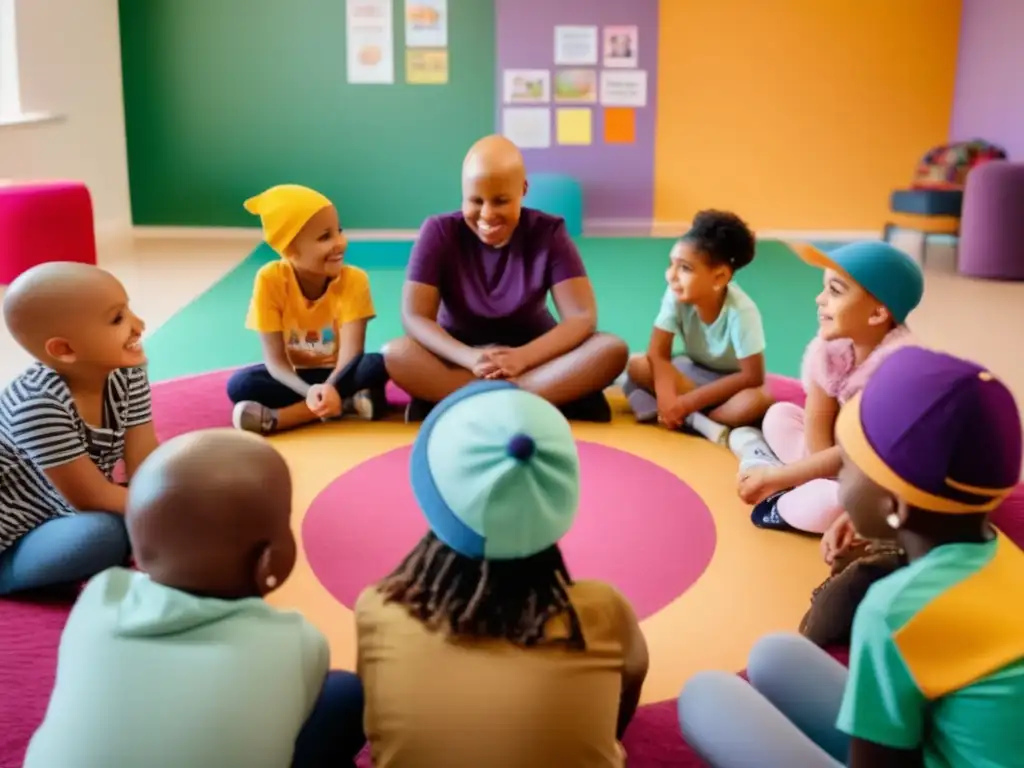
284, 210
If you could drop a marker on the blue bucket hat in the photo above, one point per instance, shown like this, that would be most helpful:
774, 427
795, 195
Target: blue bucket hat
496, 472
887, 273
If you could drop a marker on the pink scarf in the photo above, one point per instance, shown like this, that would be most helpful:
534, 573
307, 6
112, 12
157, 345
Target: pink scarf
831, 364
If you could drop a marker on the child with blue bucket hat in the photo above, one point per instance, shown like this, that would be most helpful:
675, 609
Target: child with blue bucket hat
788, 471
480, 648
931, 446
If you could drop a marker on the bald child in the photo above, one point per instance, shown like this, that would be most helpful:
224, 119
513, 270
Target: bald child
81, 408
184, 663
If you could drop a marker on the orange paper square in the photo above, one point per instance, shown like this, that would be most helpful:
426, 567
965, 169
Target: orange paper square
619, 125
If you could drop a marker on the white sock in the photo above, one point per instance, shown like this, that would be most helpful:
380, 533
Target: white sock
704, 426
750, 447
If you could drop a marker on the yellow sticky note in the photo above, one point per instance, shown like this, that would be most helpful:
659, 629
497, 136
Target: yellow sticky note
426, 67
573, 126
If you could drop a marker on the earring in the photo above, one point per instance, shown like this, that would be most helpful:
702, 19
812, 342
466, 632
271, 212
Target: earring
893, 521
271, 582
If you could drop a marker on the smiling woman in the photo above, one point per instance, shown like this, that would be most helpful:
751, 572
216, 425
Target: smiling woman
474, 304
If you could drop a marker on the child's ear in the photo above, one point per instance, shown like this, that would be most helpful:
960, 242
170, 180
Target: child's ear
60, 349
880, 316
266, 574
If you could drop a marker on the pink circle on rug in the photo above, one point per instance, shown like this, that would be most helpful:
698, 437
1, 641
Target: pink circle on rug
639, 527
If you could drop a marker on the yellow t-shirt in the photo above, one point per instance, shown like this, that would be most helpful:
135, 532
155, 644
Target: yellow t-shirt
310, 328
436, 701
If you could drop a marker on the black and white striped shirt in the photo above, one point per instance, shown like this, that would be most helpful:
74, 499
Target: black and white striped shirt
40, 428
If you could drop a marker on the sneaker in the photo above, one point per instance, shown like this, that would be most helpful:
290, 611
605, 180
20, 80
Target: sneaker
253, 417
360, 404
593, 407
417, 410
765, 514
749, 446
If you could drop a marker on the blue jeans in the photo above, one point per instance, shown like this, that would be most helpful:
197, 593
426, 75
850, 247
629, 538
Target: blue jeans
64, 550
333, 734
784, 717
255, 382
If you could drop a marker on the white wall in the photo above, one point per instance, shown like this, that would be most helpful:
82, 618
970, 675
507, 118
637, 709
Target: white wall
69, 54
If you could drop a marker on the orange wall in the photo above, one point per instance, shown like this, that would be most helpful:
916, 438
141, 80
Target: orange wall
799, 114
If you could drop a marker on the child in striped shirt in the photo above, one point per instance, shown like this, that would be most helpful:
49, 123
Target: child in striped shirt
66, 422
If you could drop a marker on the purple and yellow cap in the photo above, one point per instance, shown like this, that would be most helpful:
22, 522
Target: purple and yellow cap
941, 433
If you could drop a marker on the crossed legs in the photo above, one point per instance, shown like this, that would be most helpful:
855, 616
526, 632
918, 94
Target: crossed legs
583, 371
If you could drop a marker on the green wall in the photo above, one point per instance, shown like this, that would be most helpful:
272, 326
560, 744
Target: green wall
224, 98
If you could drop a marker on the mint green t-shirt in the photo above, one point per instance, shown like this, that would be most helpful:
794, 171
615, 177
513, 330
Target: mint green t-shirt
150, 676
735, 334
980, 725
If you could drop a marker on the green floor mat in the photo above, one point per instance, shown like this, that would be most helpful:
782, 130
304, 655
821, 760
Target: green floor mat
628, 276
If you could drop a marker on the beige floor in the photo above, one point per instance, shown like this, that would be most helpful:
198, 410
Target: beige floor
975, 319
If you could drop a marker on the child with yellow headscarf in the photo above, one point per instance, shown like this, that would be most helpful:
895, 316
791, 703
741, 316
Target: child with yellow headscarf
311, 311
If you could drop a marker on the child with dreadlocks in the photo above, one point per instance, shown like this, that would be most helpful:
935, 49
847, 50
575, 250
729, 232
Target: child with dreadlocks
480, 649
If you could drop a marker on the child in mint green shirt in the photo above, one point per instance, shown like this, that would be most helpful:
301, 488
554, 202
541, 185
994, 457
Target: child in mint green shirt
718, 382
186, 664
930, 446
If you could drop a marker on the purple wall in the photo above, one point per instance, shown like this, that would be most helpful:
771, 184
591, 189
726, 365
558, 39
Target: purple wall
989, 99
617, 179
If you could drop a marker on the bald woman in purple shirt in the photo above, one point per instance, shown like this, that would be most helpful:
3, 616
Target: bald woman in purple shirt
474, 305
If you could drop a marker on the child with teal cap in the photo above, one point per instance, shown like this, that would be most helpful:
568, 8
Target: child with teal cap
480, 648
788, 472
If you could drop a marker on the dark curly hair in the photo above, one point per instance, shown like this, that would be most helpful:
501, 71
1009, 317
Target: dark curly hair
502, 599
723, 238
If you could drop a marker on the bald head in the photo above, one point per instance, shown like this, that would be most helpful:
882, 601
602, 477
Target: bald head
494, 156
493, 185
209, 512
52, 299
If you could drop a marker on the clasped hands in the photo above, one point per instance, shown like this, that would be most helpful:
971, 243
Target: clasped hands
673, 409
324, 401
500, 363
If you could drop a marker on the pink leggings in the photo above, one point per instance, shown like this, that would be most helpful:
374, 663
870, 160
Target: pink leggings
811, 507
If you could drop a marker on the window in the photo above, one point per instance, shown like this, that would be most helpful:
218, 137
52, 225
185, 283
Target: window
10, 92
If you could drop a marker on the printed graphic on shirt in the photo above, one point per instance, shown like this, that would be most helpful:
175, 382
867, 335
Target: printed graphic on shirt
313, 349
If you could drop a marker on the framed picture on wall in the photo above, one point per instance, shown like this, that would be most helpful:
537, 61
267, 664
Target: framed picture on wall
527, 86
576, 86
620, 47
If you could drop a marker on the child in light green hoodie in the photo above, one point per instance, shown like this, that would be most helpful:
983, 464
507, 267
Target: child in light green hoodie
184, 663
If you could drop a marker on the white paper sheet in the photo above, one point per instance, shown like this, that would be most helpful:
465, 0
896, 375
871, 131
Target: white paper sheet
370, 40
575, 45
426, 23
527, 127
624, 87
527, 86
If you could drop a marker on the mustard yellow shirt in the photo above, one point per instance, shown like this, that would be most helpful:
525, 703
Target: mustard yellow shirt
311, 329
433, 700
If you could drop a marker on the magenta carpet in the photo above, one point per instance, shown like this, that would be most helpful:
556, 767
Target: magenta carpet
30, 631
341, 530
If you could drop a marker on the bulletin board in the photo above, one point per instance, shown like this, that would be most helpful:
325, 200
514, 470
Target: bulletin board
224, 98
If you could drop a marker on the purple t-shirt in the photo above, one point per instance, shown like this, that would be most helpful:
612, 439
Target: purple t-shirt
494, 295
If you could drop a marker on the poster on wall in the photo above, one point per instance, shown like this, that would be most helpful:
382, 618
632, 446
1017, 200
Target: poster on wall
527, 86
574, 126
527, 127
370, 38
620, 47
576, 45
576, 86
624, 88
426, 67
426, 23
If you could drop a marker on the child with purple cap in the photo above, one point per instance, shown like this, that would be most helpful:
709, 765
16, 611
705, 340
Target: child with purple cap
930, 447
788, 472
480, 649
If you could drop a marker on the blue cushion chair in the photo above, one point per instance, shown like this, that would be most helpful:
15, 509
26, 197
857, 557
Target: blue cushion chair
558, 195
